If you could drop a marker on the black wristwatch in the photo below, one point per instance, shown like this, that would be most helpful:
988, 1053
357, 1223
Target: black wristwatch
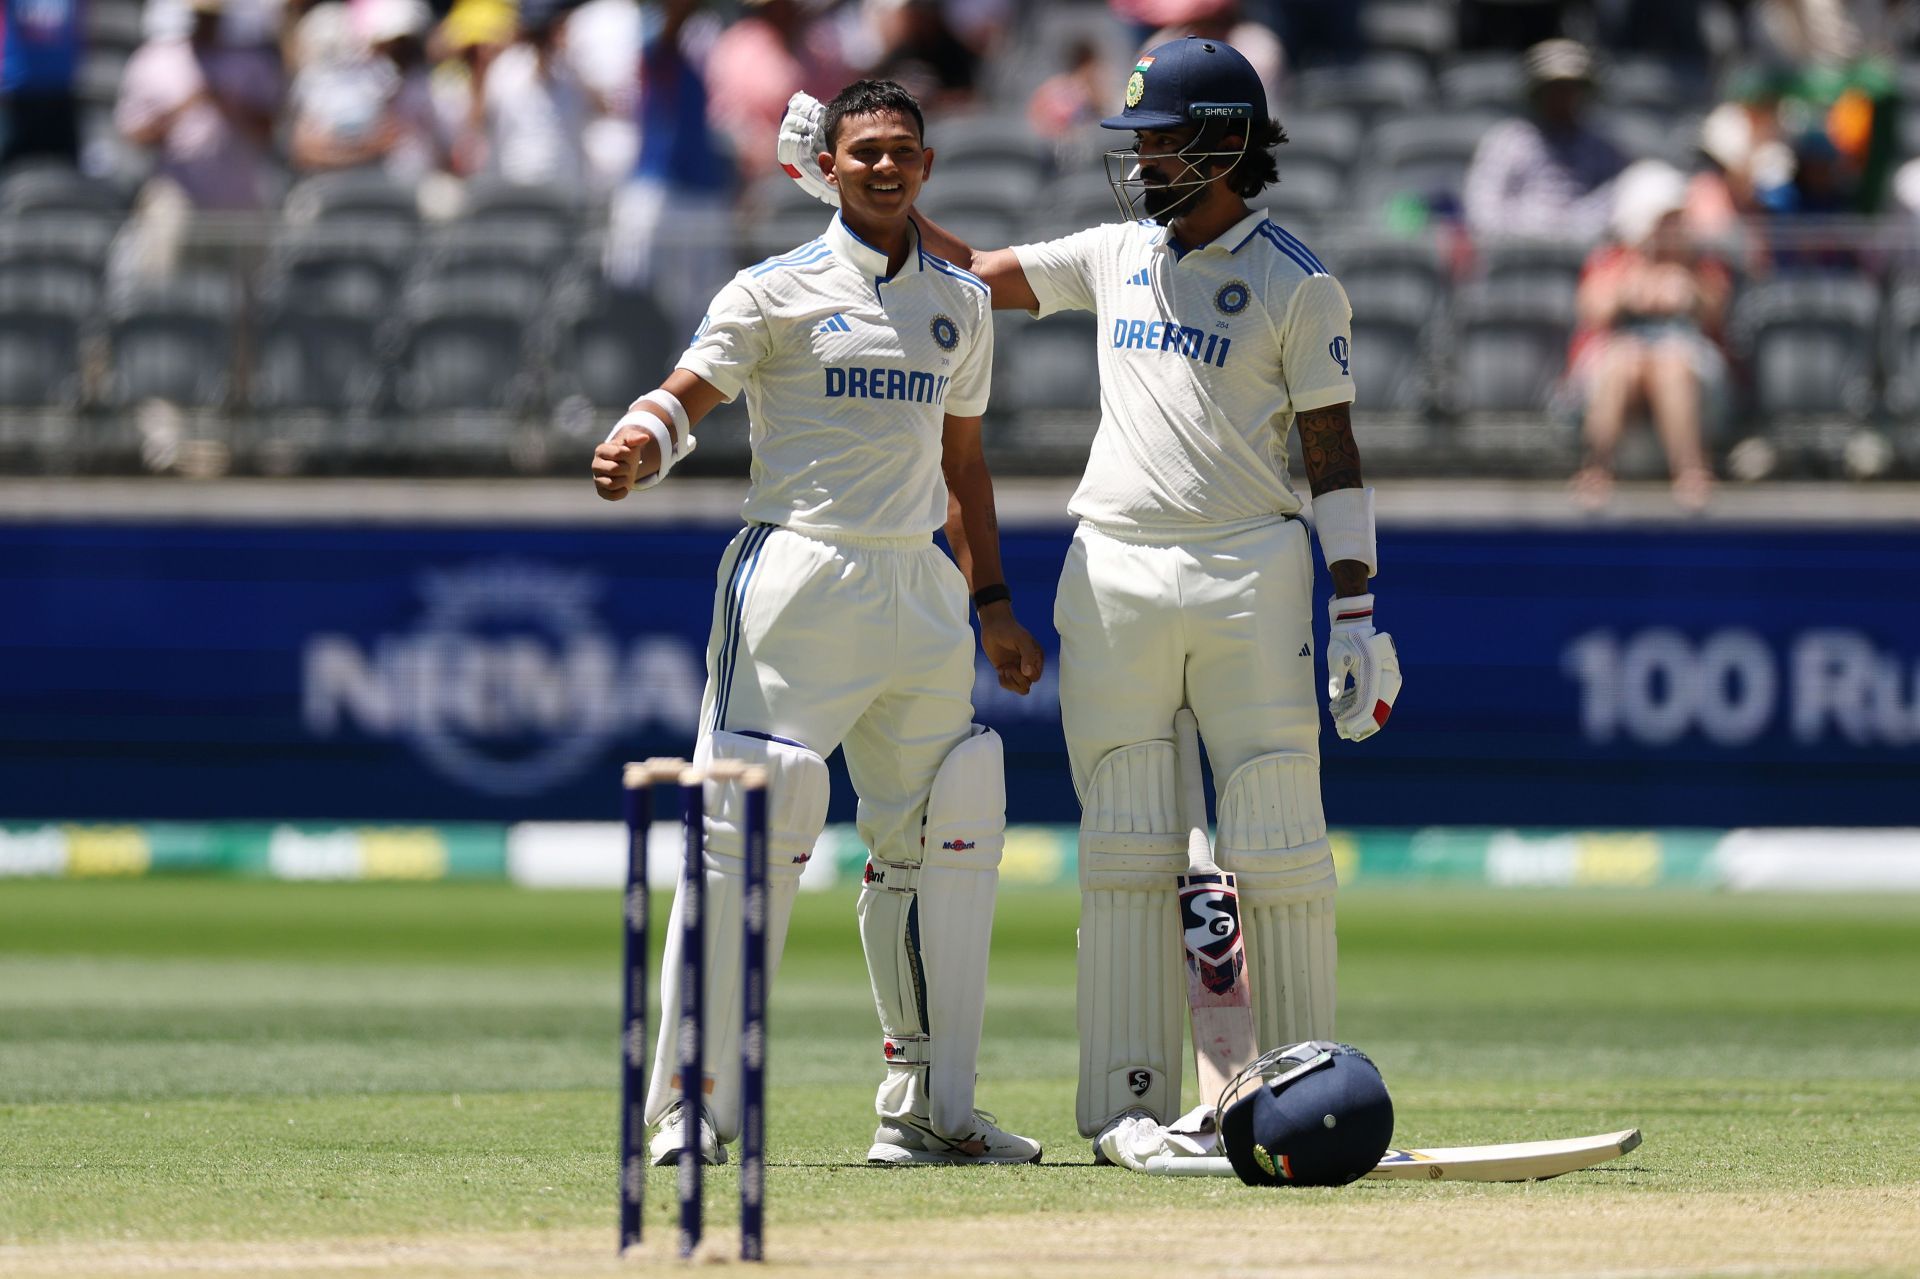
991, 595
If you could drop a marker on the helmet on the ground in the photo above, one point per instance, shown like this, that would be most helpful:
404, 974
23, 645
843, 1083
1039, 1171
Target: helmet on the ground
1309, 1114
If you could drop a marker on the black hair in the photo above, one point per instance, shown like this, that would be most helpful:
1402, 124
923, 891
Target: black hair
870, 97
1256, 170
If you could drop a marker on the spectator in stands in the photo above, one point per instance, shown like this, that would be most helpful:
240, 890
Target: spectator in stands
472, 35
776, 50
1074, 98
532, 107
1548, 174
41, 44
923, 55
1651, 311
207, 108
1223, 20
671, 226
370, 103
603, 39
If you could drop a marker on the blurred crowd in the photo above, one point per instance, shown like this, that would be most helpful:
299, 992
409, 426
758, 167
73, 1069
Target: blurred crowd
1683, 146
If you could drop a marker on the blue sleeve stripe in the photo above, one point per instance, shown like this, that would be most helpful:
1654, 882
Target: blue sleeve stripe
811, 251
1291, 239
947, 268
1305, 261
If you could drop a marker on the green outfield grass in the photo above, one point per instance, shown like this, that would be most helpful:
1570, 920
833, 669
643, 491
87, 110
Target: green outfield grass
200, 1064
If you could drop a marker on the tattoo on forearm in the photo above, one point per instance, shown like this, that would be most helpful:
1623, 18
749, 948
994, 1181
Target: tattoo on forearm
1328, 448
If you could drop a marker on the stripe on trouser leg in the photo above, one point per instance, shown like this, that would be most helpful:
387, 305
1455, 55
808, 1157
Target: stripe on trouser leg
733, 619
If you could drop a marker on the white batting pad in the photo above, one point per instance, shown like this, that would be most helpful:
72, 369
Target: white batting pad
797, 791
926, 928
1131, 1001
1273, 837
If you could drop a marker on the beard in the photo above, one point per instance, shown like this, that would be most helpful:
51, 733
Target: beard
1164, 203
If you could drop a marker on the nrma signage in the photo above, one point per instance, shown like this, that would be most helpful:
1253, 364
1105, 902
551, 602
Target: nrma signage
507, 682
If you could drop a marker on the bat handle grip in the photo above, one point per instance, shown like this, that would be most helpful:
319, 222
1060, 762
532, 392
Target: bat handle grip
1193, 793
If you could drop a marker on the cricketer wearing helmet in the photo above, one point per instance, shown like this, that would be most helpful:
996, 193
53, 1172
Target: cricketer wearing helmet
1188, 580
837, 623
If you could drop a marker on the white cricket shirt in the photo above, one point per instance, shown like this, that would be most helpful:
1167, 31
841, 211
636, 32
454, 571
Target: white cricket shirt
1205, 356
849, 374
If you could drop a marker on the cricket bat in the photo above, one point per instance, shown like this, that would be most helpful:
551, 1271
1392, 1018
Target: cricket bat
1515, 1161
1219, 1000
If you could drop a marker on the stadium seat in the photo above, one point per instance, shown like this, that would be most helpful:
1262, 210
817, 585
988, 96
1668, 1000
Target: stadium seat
1423, 29
35, 193
611, 346
172, 340
1551, 266
1493, 83
39, 351
1406, 276
1305, 196
462, 344
1509, 349
964, 140
1007, 182
1046, 392
1655, 84
1424, 156
316, 361
361, 196
516, 257
545, 211
1809, 343
1327, 140
53, 264
331, 269
1379, 85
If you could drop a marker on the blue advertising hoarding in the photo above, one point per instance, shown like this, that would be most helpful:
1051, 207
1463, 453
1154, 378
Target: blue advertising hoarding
1595, 676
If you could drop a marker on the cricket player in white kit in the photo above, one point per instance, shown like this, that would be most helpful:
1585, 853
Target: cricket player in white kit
866, 363
1188, 581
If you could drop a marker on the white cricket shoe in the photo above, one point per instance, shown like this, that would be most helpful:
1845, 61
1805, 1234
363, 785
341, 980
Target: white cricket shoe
666, 1143
911, 1140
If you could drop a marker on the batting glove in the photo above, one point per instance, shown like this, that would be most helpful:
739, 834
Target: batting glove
800, 145
1355, 650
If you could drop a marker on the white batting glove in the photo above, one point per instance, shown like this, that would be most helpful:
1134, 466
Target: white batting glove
1356, 650
800, 145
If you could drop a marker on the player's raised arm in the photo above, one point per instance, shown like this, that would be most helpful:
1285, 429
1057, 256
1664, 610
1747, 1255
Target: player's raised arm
656, 432
1005, 278
800, 149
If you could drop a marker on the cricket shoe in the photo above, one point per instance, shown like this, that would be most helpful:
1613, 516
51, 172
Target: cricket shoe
666, 1143
912, 1140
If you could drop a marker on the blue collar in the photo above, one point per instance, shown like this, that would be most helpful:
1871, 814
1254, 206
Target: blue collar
863, 257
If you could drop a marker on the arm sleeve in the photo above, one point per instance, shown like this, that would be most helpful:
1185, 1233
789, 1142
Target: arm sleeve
1060, 272
732, 340
1316, 352
973, 380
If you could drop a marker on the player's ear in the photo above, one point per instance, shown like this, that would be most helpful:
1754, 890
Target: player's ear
826, 169
926, 163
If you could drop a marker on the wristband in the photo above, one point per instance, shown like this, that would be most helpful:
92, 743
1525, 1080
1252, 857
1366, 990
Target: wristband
1343, 519
671, 451
991, 595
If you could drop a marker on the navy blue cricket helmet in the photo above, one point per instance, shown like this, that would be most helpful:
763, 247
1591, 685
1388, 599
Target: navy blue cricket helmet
1190, 81
1309, 1114
1194, 81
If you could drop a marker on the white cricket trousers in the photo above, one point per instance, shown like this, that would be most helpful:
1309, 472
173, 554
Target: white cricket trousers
1221, 623
831, 640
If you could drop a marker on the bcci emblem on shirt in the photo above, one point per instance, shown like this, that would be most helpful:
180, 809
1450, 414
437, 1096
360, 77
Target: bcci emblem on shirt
946, 334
